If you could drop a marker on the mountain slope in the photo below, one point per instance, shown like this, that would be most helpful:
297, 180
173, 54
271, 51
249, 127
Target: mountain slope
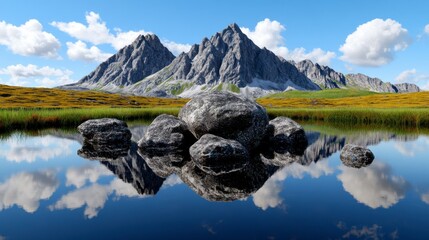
145, 56
327, 78
229, 60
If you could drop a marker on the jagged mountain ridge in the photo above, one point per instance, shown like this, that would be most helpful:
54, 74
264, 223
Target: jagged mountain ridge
229, 60
327, 78
145, 56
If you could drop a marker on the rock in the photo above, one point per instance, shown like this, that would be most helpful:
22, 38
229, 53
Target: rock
216, 155
356, 156
287, 136
226, 115
229, 186
166, 134
105, 131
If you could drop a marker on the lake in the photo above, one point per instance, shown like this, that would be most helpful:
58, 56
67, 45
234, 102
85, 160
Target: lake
47, 191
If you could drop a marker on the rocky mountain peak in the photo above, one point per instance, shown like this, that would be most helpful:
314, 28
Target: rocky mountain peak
143, 57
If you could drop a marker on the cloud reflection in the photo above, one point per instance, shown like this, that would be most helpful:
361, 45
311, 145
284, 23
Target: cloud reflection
410, 149
78, 176
269, 195
425, 198
374, 186
29, 150
27, 189
94, 197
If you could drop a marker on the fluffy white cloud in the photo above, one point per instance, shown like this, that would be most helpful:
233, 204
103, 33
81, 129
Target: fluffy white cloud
96, 32
79, 51
176, 48
31, 149
27, 189
374, 186
268, 34
374, 43
29, 39
21, 75
406, 76
123, 39
78, 176
317, 55
268, 196
411, 76
427, 29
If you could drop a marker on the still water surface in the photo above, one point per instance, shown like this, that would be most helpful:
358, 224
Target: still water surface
47, 191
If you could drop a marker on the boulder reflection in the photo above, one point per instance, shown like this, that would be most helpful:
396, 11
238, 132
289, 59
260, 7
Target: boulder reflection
126, 164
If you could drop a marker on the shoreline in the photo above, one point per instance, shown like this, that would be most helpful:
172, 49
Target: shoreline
40, 118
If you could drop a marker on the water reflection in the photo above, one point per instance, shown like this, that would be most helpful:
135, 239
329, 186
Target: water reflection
343, 193
425, 198
25, 149
26, 189
268, 196
374, 186
131, 168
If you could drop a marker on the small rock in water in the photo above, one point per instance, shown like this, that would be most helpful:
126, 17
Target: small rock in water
356, 156
166, 134
216, 155
226, 115
287, 135
105, 131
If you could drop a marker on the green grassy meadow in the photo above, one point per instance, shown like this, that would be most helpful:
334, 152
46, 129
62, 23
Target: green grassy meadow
33, 108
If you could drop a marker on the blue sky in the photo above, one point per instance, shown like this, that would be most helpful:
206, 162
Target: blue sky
49, 43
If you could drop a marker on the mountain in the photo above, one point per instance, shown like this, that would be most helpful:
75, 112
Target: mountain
328, 78
374, 84
323, 76
145, 56
229, 60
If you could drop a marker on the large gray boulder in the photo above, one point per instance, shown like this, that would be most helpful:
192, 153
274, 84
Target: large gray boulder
226, 115
166, 134
105, 131
216, 155
356, 156
287, 135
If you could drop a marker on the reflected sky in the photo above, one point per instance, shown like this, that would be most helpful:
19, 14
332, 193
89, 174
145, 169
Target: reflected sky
29, 149
43, 180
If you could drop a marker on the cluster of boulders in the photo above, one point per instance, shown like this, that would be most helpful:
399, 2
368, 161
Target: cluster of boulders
220, 131
222, 145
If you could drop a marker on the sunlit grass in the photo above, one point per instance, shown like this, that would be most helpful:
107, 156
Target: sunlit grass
31, 108
42, 118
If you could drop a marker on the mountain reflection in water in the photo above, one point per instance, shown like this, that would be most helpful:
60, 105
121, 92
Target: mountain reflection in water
43, 174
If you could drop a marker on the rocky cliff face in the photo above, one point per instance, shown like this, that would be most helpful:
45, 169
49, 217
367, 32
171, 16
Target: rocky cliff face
229, 60
407, 87
327, 78
145, 56
323, 76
